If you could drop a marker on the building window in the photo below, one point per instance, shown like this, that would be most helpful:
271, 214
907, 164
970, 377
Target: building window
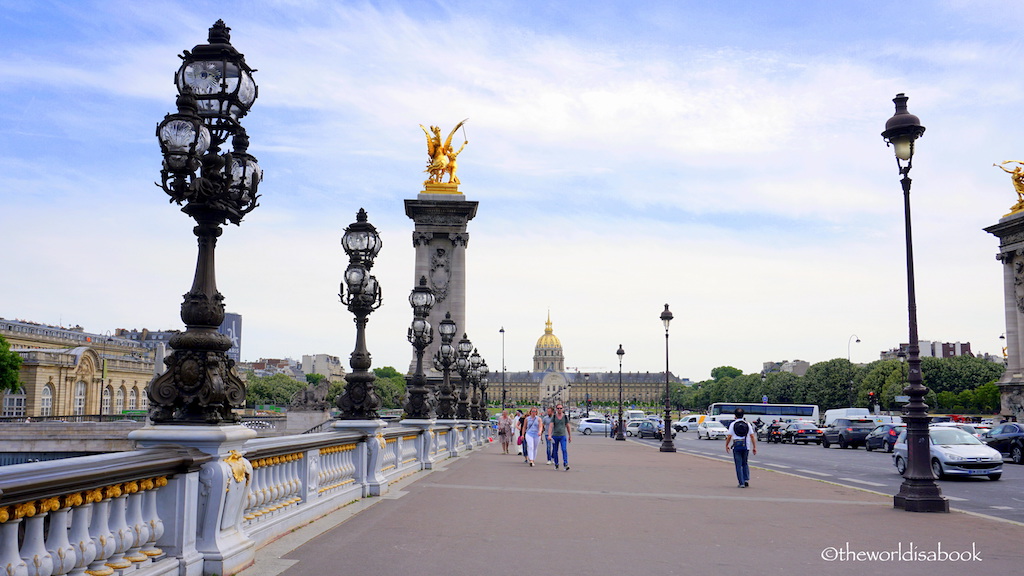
79, 408
105, 401
14, 403
132, 395
46, 401
143, 400
119, 401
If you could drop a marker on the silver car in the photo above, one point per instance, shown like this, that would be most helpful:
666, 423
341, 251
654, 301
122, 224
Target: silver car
590, 426
709, 429
953, 452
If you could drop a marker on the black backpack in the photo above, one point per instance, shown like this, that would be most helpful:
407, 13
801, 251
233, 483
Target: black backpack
741, 429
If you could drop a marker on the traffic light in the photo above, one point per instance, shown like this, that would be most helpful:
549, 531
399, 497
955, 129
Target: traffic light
871, 398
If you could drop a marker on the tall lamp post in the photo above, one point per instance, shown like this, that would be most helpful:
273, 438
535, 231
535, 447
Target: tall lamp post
503, 392
618, 429
667, 444
586, 391
421, 401
483, 372
849, 342
919, 492
474, 380
465, 348
443, 360
215, 90
361, 294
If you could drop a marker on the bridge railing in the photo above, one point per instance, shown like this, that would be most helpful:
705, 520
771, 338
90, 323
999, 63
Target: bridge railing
179, 510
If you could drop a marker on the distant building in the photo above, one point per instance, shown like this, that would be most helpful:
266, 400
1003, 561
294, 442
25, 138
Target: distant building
329, 366
932, 349
798, 367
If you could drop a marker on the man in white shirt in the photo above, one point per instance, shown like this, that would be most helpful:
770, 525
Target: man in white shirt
743, 440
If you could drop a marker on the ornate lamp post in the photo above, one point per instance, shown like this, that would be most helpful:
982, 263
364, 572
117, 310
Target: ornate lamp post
465, 348
667, 444
618, 429
443, 360
474, 380
503, 392
484, 371
361, 293
919, 492
586, 391
421, 401
215, 90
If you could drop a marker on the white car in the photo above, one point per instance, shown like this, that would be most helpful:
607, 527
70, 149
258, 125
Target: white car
954, 452
709, 429
632, 426
590, 426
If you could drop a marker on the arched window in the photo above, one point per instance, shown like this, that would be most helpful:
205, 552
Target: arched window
46, 401
14, 403
119, 401
105, 401
79, 407
132, 396
143, 400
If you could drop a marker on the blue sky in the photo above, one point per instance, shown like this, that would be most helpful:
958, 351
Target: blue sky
723, 157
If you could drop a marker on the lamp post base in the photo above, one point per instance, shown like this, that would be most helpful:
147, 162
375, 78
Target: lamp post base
920, 496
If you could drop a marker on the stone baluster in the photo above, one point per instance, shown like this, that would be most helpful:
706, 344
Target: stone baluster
11, 563
64, 555
122, 534
138, 526
150, 515
99, 531
85, 548
296, 475
38, 561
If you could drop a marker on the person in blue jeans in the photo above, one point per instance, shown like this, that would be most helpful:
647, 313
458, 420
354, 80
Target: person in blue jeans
548, 445
744, 441
559, 434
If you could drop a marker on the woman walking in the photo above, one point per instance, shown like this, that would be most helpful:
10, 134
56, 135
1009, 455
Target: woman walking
505, 431
533, 427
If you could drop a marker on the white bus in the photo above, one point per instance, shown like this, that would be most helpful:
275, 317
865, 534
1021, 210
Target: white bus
766, 412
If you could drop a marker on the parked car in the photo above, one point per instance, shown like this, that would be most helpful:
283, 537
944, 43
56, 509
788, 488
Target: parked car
688, 422
632, 426
589, 426
953, 452
651, 430
709, 429
883, 436
805, 432
1008, 439
847, 432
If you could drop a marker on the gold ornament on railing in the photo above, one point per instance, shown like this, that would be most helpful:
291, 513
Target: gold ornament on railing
1017, 176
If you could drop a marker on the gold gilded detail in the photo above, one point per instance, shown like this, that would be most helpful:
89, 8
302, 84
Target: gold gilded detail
237, 463
161, 481
147, 484
49, 504
5, 514
75, 499
1017, 177
441, 157
94, 495
113, 491
25, 510
131, 487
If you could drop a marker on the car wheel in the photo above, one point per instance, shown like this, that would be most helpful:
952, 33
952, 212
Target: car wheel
868, 447
587, 431
842, 443
825, 443
994, 476
1017, 455
888, 448
901, 465
684, 429
936, 469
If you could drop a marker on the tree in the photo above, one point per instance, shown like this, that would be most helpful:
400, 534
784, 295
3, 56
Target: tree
276, 390
830, 384
725, 372
9, 364
958, 373
390, 387
314, 378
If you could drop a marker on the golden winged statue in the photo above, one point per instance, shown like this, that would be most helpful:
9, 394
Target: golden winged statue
1017, 176
441, 157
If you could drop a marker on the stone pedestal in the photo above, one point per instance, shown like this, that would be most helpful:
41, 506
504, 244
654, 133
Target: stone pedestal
425, 449
374, 482
1010, 231
223, 485
442, 215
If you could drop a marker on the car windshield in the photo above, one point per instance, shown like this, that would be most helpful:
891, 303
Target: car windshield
715, 425
951, 436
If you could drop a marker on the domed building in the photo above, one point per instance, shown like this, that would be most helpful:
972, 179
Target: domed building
547, 356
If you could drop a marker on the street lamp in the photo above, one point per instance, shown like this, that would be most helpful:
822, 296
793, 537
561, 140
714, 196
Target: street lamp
421, 401
618, 429
503, 393
443, 360
215, 90
586, 383
483, 372
464, 349
919, 492
667, 444
849, 342
474, 380
361, 294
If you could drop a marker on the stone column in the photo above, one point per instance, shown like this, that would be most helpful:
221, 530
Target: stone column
442, 215
1010, 231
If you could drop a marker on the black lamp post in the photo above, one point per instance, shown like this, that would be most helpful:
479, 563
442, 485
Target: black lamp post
465, 348
618, 429
361, 293
443, 360
503, 392
586, 391
215, 90
483, 372
474, 380
667, 444
421, 401
919, 492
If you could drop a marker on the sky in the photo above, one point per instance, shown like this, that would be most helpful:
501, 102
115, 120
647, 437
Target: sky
722, 157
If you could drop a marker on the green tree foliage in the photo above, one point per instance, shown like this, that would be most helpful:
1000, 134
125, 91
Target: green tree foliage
886, 379
781, 387
725, 372
276, 390
828, 384
390, 386
9, 364
959, 373
314, 378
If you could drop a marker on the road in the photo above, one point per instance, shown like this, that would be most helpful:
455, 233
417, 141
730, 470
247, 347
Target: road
871, 471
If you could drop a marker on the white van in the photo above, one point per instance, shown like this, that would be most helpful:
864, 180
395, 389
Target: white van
628, 415
689, 422
831, 415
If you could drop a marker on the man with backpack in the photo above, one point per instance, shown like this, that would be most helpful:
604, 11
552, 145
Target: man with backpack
743, 440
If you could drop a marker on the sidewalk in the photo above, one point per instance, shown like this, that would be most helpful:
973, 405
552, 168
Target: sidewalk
625, 508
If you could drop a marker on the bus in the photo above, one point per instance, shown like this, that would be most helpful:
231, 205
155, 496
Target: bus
766, 412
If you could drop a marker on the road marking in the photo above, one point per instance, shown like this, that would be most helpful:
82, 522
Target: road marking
955, 499
862, 481
1002, 507
812, 472
778, 465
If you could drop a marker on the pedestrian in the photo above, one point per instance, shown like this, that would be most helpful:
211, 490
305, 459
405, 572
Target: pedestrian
505, 431
549, 415
532, 425
519, 425
559, 433
743, 440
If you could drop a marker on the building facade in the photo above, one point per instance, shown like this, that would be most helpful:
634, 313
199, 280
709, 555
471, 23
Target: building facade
329, 366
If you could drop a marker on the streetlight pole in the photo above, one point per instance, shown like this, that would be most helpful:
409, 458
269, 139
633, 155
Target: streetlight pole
618, 429
586, 385
503, 392
667, 444
849, 342
464, 349
443, 360
919, 492
421, 402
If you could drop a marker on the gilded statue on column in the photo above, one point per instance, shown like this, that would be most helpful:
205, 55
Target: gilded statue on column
441, 157
1017, 176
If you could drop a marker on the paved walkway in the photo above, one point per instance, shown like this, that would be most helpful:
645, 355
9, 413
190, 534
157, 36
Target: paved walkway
625, 508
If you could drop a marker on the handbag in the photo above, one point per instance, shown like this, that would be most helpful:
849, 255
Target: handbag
519, 441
